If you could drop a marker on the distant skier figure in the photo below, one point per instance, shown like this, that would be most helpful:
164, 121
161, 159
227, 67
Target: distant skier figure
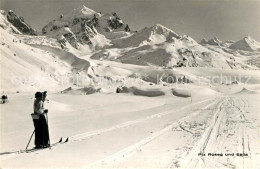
4, 98
40, 124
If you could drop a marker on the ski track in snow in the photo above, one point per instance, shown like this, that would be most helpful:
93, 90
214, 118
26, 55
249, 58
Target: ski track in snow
227, 110
212, 140
210, 134
82, 136
129, 123
128, 151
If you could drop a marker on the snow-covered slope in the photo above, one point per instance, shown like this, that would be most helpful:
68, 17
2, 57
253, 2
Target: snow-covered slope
39, 64
160, 46
67, 48
247, 44
26, 68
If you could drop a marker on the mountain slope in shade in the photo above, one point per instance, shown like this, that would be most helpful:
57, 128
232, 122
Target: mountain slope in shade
17, 22
6, 25
247, 44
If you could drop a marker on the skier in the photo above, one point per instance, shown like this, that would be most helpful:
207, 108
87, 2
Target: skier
4, 98
40, 124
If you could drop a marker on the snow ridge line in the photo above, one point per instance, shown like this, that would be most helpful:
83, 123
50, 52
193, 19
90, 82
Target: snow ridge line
78, 137
128, 151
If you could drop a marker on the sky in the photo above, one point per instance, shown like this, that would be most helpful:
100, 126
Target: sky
225, 19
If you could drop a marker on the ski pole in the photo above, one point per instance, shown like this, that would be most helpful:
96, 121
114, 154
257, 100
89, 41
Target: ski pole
48, 128
30, 139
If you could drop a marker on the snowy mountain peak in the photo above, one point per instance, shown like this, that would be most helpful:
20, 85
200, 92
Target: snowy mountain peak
160, 29
84, 27
247, 44
248, 38
159, 26
80, 12
148, 36
214, 41
83, 10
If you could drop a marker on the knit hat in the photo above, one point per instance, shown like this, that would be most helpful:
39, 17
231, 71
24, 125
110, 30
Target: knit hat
38, 95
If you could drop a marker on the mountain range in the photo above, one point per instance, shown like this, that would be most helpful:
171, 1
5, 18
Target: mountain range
84, 42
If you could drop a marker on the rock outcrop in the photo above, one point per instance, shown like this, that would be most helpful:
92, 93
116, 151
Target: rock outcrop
19, 23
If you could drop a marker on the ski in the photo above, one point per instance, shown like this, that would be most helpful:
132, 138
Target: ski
52, 145
31, 150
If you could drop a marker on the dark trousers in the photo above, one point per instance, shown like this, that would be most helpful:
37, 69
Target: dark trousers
41, 131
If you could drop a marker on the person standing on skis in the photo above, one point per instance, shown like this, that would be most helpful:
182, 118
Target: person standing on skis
39, 121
